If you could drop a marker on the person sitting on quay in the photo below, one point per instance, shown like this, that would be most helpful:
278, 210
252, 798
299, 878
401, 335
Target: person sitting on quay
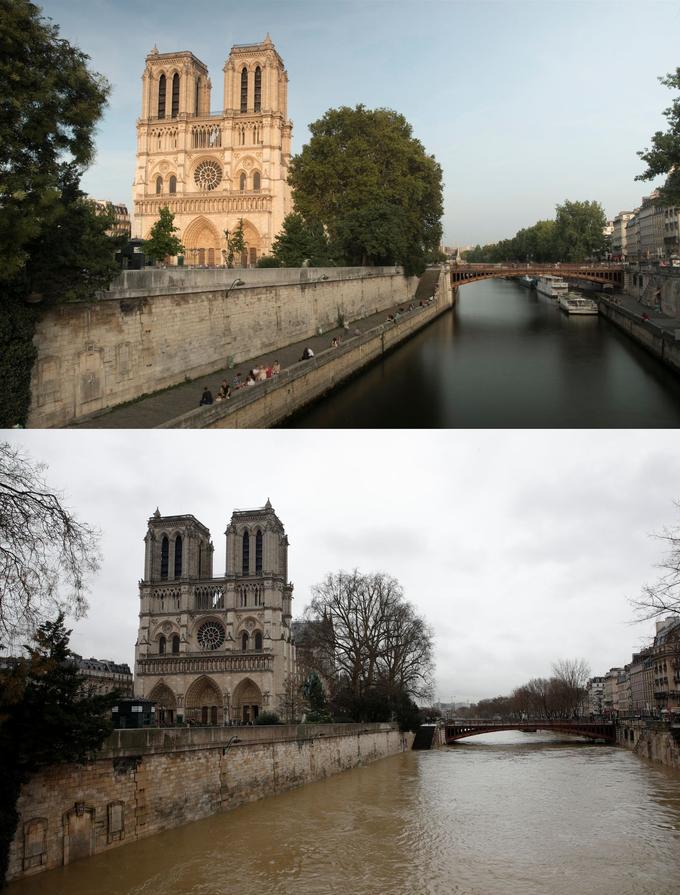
206, 397
307, 354
334, 342
276, 368
224, 392
238, 382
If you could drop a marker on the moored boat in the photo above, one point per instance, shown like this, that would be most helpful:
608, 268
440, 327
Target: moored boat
577, 304
527, 281
552, 286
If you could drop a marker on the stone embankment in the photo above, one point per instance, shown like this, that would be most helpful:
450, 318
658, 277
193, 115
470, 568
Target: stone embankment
156, 329
146, 781
656, 741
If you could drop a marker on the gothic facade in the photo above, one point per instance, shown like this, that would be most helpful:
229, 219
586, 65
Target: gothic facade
214, 169
214, 650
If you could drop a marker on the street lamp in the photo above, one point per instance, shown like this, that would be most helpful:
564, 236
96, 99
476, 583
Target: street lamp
237, 282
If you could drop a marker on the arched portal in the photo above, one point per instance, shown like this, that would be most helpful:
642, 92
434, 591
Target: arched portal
201, 242
254, 246
204, 702
166, 704
247, 701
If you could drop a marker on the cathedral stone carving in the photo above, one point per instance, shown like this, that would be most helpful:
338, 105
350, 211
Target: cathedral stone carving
193, 652
177, 132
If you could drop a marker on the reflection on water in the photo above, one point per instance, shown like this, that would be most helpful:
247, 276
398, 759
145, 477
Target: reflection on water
523, 814
507, 358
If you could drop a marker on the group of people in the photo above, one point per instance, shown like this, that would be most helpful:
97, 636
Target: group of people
257, 374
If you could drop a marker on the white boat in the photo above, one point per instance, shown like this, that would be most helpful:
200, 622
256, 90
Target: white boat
552, 286
576, 304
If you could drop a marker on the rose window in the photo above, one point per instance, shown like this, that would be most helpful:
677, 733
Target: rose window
207, 175
211, 635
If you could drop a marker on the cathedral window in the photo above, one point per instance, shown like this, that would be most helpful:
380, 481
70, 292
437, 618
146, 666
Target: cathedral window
244, 597
245, 566
244, 641
242, 183
159, 185
175, 643
258, 640
258, 89
165, 547
161, 97
256, 181
207, 175
258, 553
244, 90
173, 184
175, 95
178, 551
200, 560
161, 645
211, 636
198, 95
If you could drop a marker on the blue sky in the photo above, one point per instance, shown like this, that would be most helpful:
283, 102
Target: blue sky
524, 104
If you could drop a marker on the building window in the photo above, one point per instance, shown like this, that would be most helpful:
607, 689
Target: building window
244, 90
258, 553
210, 636
200, 560
198, 95
256, 181
258, 640
244, 642
161, 97
258, 89
161, 645
178, 556
246, 554
242, 183
173, 184
175, 643
159, 185
175, 96
165, 549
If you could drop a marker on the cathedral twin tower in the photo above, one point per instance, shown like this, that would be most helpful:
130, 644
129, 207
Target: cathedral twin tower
214, 169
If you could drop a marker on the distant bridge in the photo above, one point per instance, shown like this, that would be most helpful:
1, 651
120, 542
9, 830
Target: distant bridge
593, 730
604, 273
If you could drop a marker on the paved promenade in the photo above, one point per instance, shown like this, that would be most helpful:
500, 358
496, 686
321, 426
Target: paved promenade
631, 304
159, 407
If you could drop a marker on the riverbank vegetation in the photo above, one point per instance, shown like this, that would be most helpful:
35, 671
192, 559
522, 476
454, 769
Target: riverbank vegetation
663, 157
576, 234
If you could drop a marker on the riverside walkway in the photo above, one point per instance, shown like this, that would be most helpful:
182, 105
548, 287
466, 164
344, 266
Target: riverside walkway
151, 411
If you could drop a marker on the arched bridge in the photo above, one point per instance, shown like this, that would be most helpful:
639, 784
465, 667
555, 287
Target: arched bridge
604, 273
593, 730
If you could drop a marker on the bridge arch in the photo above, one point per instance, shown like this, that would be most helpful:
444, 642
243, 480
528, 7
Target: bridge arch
602, 731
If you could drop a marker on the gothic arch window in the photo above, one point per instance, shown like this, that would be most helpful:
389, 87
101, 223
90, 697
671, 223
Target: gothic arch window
245, 567
175, 95
256, 181
161, 645
173, 184
175, 643
258, 89
161, 96
200, 560
165, 549
244, 89
258, 640
178, 556
242, 183
198, 95
159, 185
258, 553
244, 641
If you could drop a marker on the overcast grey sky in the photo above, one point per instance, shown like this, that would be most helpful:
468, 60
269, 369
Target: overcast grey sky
520, 548
525, 103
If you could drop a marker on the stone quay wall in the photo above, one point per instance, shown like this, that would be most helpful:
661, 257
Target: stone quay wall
655, 288
146, 781
662, 343
156, 328
652, 740
268, 403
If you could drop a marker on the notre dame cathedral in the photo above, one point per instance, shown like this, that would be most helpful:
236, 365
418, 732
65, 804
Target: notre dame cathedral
214, 169
214, 650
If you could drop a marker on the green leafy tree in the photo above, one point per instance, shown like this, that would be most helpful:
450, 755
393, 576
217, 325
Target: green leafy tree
162, 242
47, 716
300, 242
236, 244
52, 244
663, 157
371, 186
580, 230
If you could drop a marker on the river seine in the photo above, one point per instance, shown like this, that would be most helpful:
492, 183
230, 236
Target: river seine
511, 813
507, 357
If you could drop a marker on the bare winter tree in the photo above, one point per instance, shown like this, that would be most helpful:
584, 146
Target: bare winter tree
662, 598
46, 554
372, 636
